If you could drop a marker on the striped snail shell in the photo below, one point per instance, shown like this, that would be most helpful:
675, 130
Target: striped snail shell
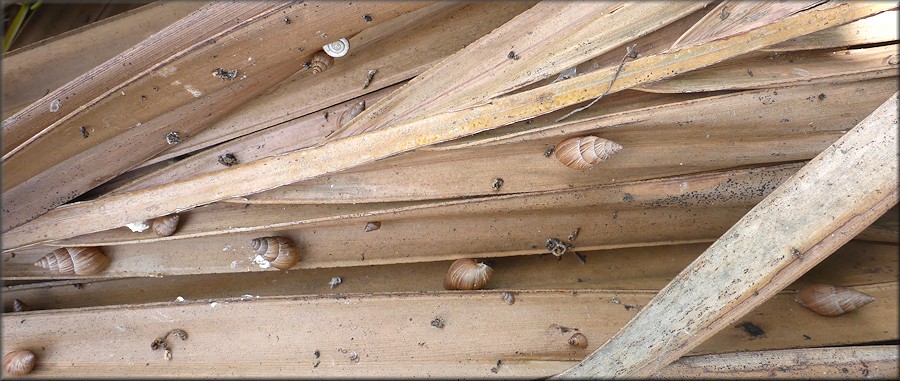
578, 340
164, 226
351, 112
583, 152
320, 62
466, 274
338, 48
829, 300
278, 251
19, 306
74, 260
18, 363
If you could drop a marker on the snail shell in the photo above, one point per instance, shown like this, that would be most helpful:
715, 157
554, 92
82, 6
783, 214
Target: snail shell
19, 306
351, 112
578, 340
74, 260
338, 48
508, 297
466, 274
372, 226
320, 62
829, 300
164, 226
18, 363
583, 152
278, 251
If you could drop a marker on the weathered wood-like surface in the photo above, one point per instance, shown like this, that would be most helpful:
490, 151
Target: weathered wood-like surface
295, 134
641, 268
57, 18
185, 105
690, 136
400, 49
347, 153
680, 209
877, 29
392, 334
33, 71
824, 205
544, 40
773, 69
102, 81
731, 17
808, 363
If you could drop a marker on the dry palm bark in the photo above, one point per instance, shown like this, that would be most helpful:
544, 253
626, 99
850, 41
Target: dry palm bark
639, 268
777, 125
808, 217
33, 121
406, 334
542, 41
731, 17
400, 49
695, 208
808, 363
877, 29
347, 153
33, 71
179, 96
774, 69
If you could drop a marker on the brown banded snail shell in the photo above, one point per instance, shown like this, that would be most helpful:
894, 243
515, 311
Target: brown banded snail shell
320, 62
19, 306
276, 251
18, 363
578, 340
74, 260
829, 300
466, 274
164, 226
584, 152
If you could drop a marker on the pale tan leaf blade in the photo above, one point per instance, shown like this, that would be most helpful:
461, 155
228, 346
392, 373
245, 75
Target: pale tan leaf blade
830, 200
736, 16
346, 153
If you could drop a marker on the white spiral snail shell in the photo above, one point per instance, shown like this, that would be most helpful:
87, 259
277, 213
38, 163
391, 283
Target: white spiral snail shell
338, 48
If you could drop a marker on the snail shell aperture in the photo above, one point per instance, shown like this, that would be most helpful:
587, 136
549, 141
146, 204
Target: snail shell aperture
74, 260
338, 48
466, 274
18, 363
320, 62
164, 226
584, 152
829, 300
278, 251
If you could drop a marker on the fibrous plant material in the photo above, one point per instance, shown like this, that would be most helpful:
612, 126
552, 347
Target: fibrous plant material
384, 143
831, 199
